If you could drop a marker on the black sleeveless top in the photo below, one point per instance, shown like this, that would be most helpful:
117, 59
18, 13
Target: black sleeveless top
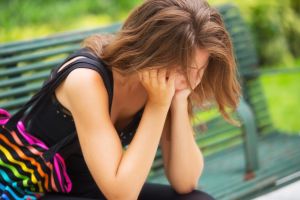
53, 122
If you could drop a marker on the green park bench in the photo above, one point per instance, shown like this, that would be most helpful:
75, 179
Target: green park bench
240, 162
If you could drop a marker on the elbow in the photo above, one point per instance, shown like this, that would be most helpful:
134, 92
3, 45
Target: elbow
184, 189
121, 192
129, 195
185, 186
122, 196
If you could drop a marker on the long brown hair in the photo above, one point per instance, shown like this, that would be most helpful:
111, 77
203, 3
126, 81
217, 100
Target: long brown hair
164, 33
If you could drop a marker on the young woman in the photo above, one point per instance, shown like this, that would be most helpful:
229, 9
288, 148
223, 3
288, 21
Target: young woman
169, 56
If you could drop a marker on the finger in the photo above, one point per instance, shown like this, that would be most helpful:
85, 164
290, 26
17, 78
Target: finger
153, 76
140, 75
172, 77
162, 76
153, 73
145, 75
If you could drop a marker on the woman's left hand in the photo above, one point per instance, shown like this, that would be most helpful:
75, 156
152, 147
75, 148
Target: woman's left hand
182, 91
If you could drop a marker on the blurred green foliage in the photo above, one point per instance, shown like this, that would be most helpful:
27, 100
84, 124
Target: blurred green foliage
275, 30
274, 26
296, 6
27, 19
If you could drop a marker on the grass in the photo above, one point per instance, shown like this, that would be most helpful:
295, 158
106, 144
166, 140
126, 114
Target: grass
283, 96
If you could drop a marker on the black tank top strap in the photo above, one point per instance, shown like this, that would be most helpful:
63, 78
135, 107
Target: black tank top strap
87, 60
83, 52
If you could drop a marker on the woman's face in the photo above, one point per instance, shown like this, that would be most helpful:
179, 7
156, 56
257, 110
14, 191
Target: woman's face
195, 72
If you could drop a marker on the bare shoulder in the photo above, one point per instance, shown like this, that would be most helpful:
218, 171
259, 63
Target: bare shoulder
83, 78
85, 92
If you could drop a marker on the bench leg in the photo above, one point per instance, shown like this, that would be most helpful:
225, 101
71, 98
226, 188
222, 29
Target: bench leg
250, 133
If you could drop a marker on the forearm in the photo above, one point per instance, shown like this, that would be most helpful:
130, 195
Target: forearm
137, 160
186, 160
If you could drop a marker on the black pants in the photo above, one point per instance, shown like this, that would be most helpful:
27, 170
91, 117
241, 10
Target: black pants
150, 191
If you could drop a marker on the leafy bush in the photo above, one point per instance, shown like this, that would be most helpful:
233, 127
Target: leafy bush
292, 29
296, 6
274, 26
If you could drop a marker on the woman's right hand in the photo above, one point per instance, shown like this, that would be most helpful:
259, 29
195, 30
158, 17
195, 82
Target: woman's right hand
160, 89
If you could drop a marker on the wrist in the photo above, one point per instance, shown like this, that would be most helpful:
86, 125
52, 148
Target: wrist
157, 106
179, 104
